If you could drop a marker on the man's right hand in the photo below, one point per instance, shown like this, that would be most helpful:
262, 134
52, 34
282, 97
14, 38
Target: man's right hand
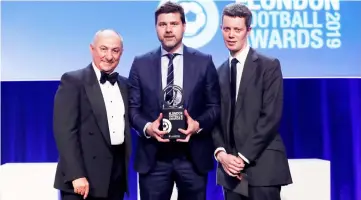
81, 186
231, 164
153, 130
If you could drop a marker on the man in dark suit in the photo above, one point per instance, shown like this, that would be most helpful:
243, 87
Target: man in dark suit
91, 126
186, 162
249, 149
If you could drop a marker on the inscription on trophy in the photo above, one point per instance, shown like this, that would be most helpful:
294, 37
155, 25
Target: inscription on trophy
173, 112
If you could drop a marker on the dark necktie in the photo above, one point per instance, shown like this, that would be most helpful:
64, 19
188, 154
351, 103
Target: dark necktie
170, 76
244, 182
112, 78
233, 96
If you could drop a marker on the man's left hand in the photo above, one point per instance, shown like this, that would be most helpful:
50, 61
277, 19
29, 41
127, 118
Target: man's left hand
193, 127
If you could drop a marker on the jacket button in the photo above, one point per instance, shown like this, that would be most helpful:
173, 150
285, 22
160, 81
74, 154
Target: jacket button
91, 133
94, 157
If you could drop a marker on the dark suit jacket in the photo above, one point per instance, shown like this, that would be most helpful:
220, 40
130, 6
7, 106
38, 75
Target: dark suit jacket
82, 134
201, 99
257, 117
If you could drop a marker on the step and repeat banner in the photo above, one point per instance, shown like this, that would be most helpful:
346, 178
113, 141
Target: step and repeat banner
312, 38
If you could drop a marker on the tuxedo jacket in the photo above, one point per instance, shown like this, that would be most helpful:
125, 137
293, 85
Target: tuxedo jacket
258, 111
82, 135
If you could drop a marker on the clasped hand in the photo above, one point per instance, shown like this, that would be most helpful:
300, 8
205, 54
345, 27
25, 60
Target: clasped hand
231, 164
153, 129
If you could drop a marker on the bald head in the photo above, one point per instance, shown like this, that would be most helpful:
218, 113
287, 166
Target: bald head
106, 49
107, 33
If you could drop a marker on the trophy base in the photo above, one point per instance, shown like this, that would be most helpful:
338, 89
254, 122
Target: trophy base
173, 119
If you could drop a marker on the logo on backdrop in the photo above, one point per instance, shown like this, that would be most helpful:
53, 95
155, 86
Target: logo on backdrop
296, 24
281, 24
202, 19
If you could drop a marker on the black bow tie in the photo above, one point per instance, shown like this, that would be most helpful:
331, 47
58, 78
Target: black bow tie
112, 78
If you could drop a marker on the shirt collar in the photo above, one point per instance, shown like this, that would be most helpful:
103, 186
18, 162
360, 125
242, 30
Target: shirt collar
97, 71
179, 51
241, 56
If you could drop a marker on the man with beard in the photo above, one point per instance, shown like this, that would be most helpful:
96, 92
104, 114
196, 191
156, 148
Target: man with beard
158, 161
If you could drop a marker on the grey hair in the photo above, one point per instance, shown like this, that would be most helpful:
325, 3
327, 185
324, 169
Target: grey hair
102, 30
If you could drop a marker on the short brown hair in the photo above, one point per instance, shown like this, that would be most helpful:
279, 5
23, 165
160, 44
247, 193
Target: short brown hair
238, 10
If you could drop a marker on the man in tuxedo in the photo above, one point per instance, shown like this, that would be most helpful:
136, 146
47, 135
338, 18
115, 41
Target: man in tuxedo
249, 149
158, 161
91, 126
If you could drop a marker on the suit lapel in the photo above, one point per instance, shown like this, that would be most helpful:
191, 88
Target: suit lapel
189, 75
95, 97
247, 74
224, 74
157, 68
224, 79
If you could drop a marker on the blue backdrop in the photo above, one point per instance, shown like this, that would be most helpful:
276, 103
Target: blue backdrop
322, 119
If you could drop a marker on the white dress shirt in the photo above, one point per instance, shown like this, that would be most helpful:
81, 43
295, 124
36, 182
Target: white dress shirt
177, 67
114, 105
241, 57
